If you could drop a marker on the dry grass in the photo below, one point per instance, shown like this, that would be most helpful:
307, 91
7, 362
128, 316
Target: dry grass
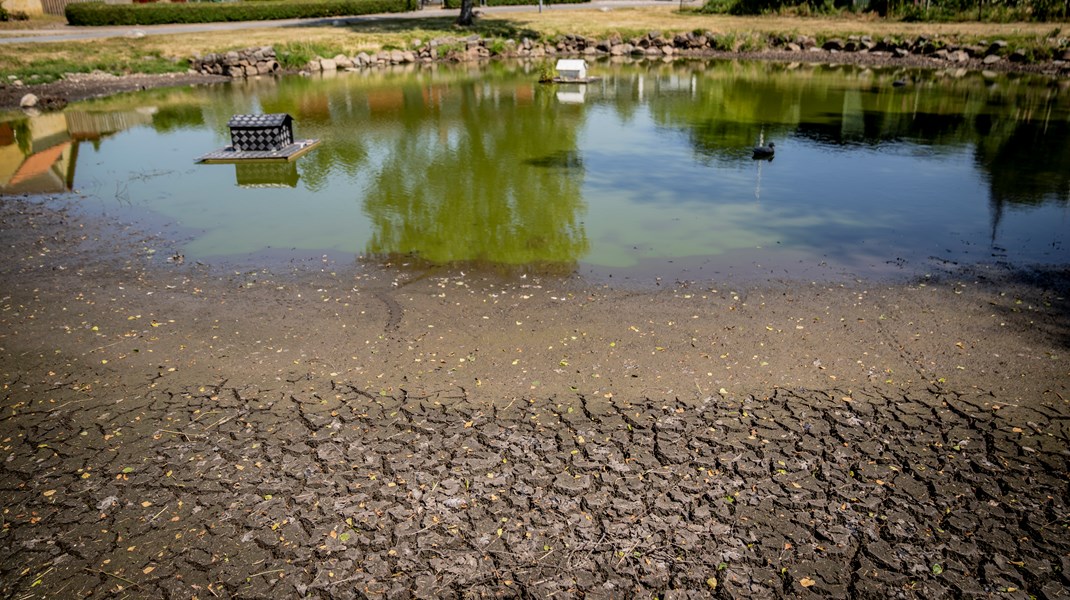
128, 54
34, 23
666, 18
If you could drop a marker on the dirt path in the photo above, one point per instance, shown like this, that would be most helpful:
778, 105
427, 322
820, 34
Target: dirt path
340, 431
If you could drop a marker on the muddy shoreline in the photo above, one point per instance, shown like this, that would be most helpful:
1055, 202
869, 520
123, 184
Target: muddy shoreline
330, 430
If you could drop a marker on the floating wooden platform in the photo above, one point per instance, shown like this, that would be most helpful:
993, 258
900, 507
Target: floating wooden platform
284, 154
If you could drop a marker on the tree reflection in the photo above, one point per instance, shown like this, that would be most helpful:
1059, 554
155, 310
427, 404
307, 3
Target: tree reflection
485, 175
1016, 126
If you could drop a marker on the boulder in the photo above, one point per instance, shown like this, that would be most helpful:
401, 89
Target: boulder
28, 101
959, 56
991, 59
996, 47
328, 64
833, 44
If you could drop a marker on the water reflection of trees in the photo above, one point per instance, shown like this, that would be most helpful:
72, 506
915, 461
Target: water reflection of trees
1016, 126
481, 174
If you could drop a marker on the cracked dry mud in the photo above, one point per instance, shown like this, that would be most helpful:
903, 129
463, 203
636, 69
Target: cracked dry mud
174, 431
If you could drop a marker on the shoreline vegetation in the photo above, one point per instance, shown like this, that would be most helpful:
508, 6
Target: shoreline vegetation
659, 32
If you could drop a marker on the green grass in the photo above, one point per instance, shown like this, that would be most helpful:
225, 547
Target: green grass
49, 69
295, 55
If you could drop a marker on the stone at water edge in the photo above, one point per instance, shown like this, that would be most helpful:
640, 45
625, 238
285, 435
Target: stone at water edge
28, 101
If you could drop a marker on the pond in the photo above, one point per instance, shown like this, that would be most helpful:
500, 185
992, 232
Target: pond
646, 173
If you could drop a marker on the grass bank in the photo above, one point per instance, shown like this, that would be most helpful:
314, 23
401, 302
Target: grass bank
43, 62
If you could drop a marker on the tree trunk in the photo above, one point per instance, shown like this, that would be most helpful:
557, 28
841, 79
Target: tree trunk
467, 13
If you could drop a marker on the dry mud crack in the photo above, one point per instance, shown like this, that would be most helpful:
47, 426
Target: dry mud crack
343, 493
171, 431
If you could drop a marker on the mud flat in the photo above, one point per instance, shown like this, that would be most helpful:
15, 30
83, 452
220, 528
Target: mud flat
174, 430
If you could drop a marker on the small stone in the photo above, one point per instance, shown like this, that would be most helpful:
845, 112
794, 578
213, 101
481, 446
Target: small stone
28, 101
991, 59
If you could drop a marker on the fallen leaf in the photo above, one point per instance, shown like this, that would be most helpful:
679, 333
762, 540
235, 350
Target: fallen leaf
48, 493
148, 569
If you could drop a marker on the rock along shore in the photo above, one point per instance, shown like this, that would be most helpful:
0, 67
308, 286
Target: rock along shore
921, 51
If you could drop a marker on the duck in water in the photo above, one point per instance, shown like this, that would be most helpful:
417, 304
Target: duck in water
764, 152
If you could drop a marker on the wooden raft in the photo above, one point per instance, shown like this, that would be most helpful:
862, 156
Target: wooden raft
285, 154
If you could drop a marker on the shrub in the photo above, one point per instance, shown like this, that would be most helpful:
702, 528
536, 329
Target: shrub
98, 13
13, 15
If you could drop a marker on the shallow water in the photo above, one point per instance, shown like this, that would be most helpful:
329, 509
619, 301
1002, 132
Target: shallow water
647, 172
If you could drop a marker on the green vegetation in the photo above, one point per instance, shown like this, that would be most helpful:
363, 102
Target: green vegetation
931, 10
99, 13
53, 68
295, 55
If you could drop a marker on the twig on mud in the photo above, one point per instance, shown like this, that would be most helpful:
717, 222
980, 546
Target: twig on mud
205, 414
124, 579
220, 422
61, 406
159, 513
185, 435
267, 572
105, 346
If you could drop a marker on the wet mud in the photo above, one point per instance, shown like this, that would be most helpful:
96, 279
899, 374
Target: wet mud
174, 430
